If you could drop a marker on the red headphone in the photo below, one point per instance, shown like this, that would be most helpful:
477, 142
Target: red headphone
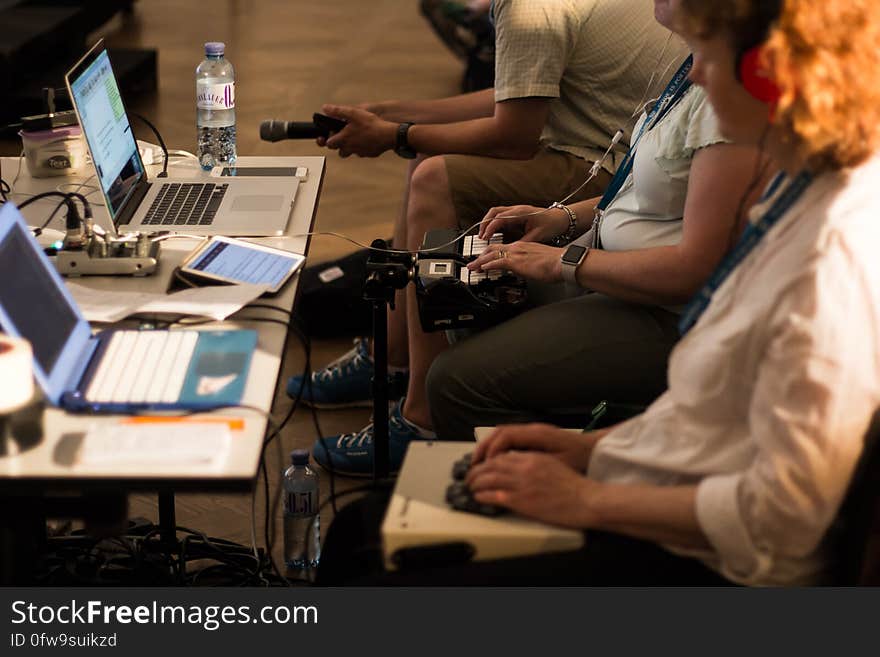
756, 79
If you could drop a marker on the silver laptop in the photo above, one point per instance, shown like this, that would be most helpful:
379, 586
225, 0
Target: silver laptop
203, 206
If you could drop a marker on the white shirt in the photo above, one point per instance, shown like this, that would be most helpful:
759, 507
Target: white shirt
771, 393
648, 210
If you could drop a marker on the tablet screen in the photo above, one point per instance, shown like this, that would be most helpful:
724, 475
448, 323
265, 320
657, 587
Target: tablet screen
239, 263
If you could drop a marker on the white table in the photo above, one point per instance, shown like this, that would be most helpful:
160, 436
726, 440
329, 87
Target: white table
52, 465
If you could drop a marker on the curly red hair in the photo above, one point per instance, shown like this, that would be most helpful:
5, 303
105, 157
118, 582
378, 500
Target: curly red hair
824, 55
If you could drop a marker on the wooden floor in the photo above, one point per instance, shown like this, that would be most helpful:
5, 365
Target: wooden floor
290, 56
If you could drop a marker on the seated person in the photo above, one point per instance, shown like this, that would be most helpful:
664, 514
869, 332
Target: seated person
662, 234
738, 470
568, 76
466, 29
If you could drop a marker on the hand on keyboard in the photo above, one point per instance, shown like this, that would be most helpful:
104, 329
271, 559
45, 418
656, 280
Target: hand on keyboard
460, 497
530, 260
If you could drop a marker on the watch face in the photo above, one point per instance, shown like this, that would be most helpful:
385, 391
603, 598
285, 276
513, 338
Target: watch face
573, 254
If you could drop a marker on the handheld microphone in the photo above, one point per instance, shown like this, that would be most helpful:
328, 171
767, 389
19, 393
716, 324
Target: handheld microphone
274, 130
319, 126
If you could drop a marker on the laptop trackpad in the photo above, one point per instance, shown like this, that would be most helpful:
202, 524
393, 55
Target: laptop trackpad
257, 203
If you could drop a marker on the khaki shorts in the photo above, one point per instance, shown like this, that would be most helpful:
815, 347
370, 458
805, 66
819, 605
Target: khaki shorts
479, 183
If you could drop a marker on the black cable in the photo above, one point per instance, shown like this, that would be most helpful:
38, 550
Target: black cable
149, 123
761, 164
268, 306
267, 320
307, 380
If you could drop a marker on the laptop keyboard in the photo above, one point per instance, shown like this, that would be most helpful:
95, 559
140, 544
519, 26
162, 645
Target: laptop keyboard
143, 367
187, 204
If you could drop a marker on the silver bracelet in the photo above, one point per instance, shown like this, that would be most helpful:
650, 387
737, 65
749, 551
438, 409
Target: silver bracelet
567, 236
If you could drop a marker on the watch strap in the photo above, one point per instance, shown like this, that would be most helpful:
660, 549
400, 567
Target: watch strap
401, 144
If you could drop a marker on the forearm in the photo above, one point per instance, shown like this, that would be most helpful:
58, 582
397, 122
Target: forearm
661, 514
656, 276
465, 107
481, 136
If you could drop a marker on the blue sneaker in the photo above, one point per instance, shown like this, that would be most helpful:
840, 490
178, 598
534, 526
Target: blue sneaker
351, 454
347, 382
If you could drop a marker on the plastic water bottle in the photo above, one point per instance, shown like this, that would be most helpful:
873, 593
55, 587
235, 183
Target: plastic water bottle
215, 108
302, 524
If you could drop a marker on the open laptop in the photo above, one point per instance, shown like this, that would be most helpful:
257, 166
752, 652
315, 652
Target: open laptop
216, 206
114, 371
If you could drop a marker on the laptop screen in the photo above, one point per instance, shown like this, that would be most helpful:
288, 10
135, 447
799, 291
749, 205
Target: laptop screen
106, 127
35, 305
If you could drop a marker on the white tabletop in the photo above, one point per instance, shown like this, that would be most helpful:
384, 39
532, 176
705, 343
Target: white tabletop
53, 464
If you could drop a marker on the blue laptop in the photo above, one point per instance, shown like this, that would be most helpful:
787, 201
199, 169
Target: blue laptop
113, 371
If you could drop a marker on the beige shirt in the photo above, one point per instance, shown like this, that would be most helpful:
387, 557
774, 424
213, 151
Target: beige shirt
594, 58
770, 394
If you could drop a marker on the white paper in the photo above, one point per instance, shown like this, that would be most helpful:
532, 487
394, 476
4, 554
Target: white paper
115, 446
216, 301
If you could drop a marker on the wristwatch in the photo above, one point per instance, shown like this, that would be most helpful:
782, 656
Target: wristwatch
571, 259
401, 146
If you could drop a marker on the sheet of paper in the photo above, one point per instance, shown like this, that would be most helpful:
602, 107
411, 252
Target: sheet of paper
104, 306
133, 446
215, 301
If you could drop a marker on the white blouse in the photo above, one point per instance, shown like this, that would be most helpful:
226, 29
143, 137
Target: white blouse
771, 392
648, 210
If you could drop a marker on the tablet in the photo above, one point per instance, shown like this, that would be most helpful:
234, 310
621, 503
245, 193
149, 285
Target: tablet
230, 260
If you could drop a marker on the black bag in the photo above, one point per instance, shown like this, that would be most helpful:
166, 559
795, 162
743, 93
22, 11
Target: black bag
330, 302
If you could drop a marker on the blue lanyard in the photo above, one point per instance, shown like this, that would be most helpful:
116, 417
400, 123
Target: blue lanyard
751, 237
673, 93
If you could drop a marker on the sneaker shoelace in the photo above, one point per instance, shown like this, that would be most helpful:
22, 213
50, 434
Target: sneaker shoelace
364, 437
346, 363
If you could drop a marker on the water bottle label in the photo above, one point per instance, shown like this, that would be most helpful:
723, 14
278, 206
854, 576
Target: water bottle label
216, 96
302, 504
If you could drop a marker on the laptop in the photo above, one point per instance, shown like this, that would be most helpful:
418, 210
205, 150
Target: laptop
230, 206
113, 371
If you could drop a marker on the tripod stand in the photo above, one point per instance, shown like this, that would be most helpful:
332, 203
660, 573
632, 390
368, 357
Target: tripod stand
386, 273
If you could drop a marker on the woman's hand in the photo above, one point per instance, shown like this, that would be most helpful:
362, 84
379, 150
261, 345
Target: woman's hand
533, 224
535, 485
537, 262
572, 448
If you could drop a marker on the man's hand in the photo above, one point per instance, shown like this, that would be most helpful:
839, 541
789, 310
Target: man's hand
573, 449
535, 485
529, 223
537, 262
366, 135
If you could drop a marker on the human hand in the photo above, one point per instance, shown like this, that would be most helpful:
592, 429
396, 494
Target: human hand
531, 260
374, 108
572, 448
535, 485
366, 135
533, 224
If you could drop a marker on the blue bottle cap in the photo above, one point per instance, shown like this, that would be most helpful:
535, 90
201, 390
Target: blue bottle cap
215, 48
300, 456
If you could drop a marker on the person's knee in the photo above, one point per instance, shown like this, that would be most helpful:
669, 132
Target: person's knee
428, 188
